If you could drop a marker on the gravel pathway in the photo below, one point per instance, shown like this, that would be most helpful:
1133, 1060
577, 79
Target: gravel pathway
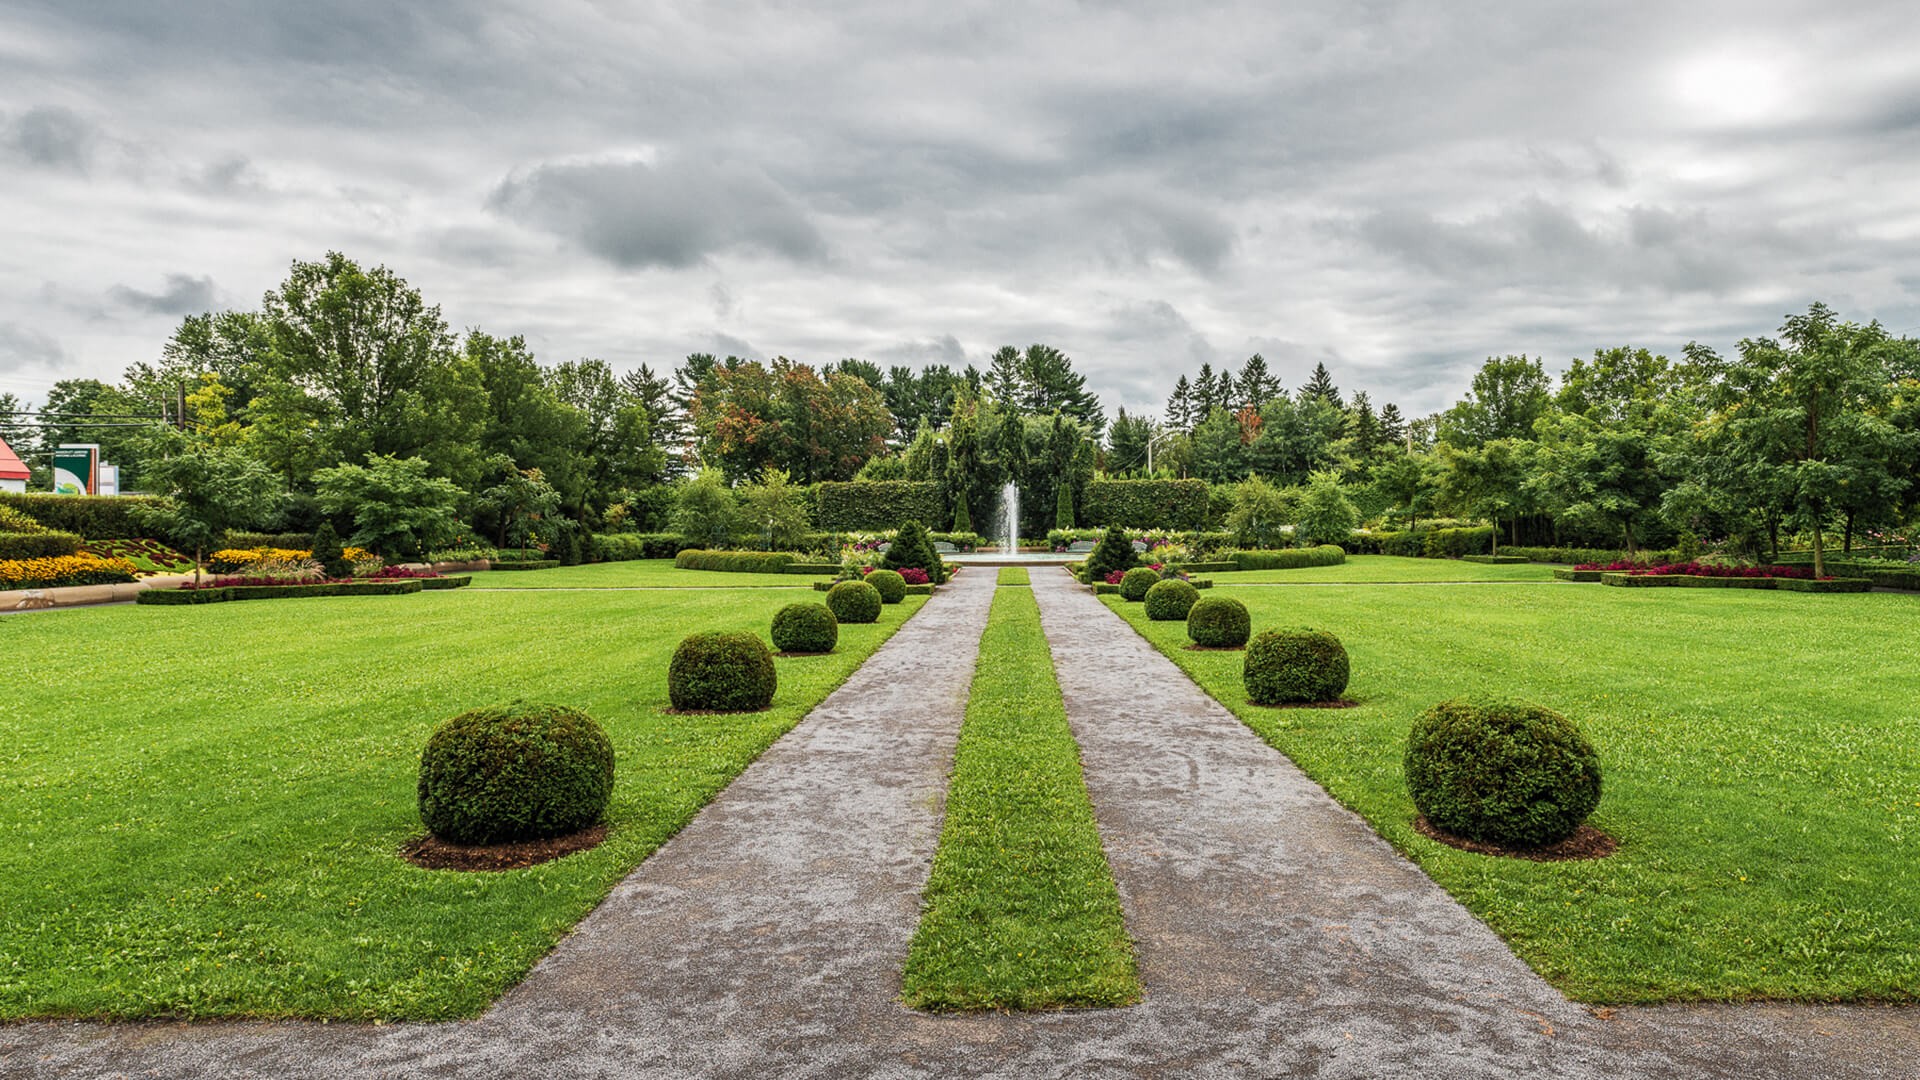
1277, 935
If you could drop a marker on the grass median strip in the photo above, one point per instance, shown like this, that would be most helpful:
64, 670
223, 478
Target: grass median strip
1020, 910
1013, 575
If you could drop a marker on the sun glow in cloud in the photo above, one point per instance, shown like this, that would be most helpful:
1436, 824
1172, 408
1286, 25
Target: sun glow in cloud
1734, 86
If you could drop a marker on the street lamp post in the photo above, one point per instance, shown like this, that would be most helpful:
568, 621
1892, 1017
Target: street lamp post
1150, 445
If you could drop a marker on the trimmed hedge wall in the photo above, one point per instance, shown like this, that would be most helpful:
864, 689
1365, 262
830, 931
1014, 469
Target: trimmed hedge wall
525, 564
1147, 504
1602, 556
1426, 543
736, 562
96, 517
293, 541
840, 506
1836, 585
435, 584
625, 547
40, 545
1209, 567
1564, 574
813, 568
1886, 575
391, 587
1290, 558
1683, 581
1496, 560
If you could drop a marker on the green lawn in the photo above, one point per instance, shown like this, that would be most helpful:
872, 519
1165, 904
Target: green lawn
202, 805
1760, 761
1388, 568
636, 574
1020, 910
1013, 575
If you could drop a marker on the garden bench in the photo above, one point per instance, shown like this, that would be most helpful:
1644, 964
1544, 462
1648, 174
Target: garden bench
941, 547
1080, 546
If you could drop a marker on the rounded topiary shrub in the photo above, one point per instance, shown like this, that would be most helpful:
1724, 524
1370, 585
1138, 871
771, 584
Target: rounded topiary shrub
854, 602
515, 772
1219, 622
805, 628
1135, 583
1501, 772
1285, 667
715, 672
1170, 600
892, 586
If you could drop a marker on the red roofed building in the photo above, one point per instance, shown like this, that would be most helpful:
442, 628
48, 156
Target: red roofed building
13, 471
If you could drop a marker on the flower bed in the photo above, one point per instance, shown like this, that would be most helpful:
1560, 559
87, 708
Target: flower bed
149, 556
1699, 569
64, 570
238, 560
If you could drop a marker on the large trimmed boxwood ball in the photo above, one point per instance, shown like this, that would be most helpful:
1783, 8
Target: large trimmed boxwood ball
855, 602
805, 628
1501, 772
1219, 622
716, 672
523, 771
1135, 583
1290, 666
1170, 600
893, 587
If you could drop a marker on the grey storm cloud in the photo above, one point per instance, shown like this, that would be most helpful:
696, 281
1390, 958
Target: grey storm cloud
1394, 188
634, 215
182, 294
52, 137
22, 348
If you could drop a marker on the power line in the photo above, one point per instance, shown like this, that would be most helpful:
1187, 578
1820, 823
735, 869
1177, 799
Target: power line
82, 416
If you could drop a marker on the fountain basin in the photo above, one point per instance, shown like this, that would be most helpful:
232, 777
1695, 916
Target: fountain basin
1016, 558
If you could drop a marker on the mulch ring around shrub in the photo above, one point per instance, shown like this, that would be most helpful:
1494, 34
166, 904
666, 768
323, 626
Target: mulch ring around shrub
1586, 842
1343, 703
791, 655
432, 853
1216, 648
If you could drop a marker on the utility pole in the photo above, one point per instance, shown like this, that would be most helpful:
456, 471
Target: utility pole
180, 416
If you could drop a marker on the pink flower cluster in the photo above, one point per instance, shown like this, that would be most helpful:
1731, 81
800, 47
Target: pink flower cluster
1113, 577
1696, 569
914, 575
387, 572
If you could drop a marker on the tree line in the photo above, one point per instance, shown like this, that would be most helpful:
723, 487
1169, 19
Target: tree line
1813, 430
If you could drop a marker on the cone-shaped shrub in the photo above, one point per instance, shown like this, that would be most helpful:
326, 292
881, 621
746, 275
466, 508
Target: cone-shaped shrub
892, 586
715, 672
1291, 666
1170, 600
854, 602
1135, 583
1113, 552
911, 546
1501, 772
1219, 622
328, 552
805, 628
514, 772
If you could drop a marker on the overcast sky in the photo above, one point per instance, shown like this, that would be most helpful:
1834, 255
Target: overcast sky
1399, 190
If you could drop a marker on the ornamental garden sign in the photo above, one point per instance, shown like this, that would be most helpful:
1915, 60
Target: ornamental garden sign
76, 469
